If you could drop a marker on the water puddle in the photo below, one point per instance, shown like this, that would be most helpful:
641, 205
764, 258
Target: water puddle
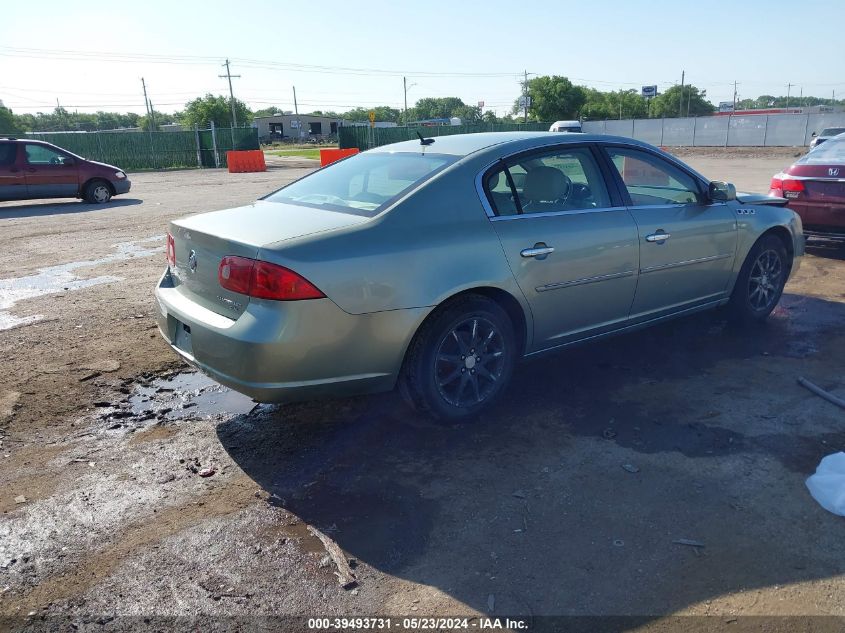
187, 395
62, 278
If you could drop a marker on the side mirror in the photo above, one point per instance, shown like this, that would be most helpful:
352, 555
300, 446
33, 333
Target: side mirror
813, 134
67, 160
721, 191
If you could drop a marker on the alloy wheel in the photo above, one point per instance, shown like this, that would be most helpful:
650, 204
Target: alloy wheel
765, 280
470, 362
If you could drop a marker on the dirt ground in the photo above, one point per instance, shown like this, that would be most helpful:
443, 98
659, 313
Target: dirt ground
655, 474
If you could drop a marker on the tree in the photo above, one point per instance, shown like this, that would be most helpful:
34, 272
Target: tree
271, 111
160, 119
490, 117
439, 108
554, 98
8, 123
203, 110
676, 102
383, 113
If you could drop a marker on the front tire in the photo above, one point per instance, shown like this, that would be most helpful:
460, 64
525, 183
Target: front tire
97, 192
760, 283
461, 359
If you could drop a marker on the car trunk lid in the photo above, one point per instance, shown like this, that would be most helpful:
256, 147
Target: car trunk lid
200, 242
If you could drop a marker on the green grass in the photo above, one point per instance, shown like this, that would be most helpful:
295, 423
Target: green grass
311, 152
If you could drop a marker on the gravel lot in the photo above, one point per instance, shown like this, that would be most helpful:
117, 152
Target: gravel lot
568, 499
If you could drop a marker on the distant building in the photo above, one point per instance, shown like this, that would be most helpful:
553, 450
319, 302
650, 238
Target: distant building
304, 126
817, 109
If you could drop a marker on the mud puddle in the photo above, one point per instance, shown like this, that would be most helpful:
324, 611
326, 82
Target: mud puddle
63, 278
189, 394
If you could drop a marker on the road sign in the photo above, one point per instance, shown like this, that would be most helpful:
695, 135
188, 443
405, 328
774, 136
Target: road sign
726, 106
525, 102
480, 104
649, 91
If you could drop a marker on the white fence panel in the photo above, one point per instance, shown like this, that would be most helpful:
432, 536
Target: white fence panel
622, 127
747, 131
711, 131
649, 130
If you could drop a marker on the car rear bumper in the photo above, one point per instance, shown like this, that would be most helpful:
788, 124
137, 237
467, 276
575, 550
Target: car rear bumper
288, 351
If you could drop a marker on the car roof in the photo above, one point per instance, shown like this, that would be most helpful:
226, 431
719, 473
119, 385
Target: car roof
466, 144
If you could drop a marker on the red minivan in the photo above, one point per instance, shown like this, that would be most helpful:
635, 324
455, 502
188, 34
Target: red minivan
31, 170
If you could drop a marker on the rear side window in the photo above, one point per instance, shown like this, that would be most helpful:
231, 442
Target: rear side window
363, 184
650, 180
8, 151
563, 180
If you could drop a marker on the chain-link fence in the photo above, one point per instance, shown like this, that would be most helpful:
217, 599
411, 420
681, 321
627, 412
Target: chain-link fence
156, 150
737, 130
365, 137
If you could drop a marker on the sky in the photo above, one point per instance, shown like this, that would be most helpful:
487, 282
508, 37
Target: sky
341, 55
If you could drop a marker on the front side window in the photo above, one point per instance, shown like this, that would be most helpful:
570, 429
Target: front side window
363, 184
567, 180
650, 180
41, 155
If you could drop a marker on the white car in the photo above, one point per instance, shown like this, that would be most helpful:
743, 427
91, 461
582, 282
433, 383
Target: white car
566, 126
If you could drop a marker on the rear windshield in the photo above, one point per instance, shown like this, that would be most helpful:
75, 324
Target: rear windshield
828, 153
363, 184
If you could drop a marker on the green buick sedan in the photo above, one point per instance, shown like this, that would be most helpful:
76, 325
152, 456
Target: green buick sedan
435, 265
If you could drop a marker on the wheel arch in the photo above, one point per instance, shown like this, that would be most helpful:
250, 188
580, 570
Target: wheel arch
503, 298
94, 179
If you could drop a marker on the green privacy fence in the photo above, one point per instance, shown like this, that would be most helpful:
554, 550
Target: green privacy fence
156, 150
367, 137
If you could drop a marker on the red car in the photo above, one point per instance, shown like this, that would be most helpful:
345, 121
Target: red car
31, 170
815, 188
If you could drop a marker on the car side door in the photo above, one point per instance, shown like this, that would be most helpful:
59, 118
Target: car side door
687, 242
12, 180
570, 243
49, 172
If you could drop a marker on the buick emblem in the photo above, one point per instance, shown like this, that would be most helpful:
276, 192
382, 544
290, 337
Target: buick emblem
833, 171
192, 261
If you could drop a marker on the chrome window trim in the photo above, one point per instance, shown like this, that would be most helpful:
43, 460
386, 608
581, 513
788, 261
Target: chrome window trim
585, 280
687, 262
552, 214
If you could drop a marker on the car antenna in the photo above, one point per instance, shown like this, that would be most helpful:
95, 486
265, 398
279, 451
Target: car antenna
425, 141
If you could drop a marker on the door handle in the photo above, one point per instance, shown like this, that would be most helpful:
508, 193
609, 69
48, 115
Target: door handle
14, 170
540, 251
659, 237
32, 170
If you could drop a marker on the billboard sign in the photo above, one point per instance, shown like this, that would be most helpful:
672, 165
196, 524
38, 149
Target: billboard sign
649, 91
726, 106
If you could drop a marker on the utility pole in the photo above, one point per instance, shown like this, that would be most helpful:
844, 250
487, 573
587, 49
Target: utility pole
525, 99
405, 89
801, 97
788, 89
620, 104
229, 76
146, 101
296, 110
734, 96
681, 101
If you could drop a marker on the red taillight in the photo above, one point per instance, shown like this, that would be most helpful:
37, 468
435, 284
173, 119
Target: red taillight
171, 250
235, 274
264, 280
792, 185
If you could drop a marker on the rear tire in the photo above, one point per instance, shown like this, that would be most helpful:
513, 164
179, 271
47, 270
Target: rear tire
461, 359
97, 192
761, 279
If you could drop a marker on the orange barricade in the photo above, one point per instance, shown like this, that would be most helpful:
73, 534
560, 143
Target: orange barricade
246, 161
330, 155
